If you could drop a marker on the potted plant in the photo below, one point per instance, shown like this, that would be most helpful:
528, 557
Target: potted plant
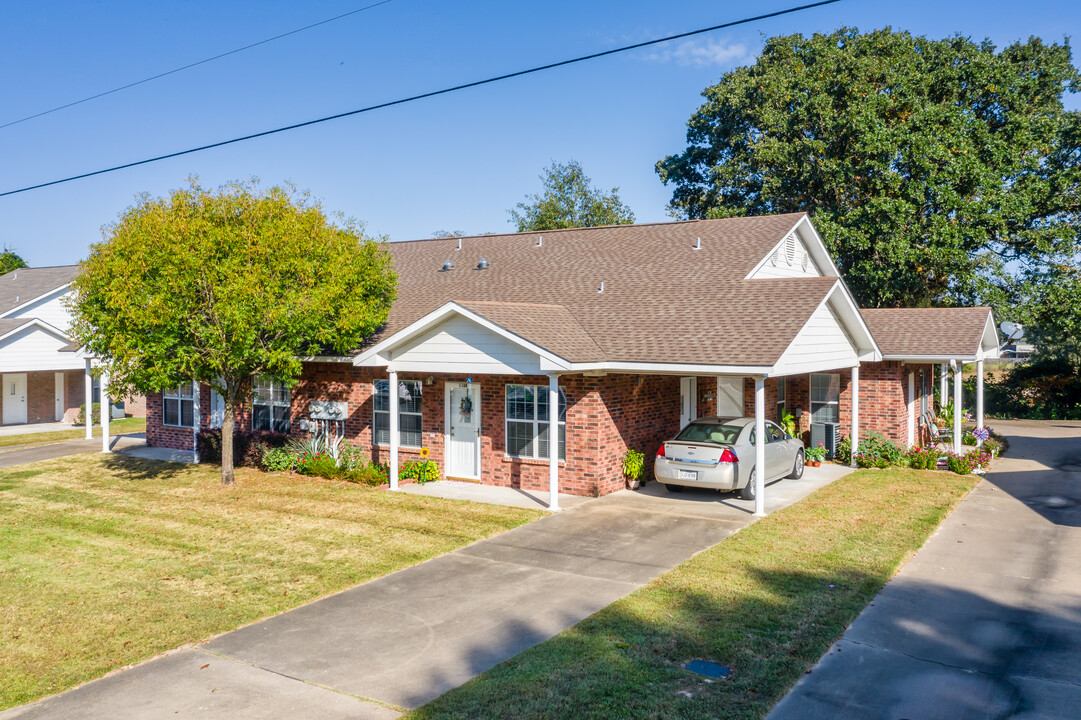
634, 465
788, 423
815, 454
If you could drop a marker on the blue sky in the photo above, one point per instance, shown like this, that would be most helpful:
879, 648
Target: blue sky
455, 162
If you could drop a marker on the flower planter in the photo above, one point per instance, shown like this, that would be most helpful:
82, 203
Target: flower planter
814, 463
634, 484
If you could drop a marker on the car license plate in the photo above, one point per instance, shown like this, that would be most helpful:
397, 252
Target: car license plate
688, 475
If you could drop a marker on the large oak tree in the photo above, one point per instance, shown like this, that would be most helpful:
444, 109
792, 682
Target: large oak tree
569, 200
221, 286
937, 171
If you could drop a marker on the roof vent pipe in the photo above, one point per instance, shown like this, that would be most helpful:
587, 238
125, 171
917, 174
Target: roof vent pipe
601, 288
459, 243
698, 244
540, 240
447, 266
482, 264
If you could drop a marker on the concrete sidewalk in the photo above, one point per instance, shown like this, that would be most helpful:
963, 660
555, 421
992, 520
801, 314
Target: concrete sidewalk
985, 621
401, 640
62, 448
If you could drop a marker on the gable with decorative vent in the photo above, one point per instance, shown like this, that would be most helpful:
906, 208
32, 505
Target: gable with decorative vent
789, 259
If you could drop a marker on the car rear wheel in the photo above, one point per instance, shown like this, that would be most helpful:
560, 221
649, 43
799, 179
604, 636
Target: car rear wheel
747, 493
797, 468
674, 488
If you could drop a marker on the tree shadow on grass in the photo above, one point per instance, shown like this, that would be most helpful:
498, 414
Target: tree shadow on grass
136, 468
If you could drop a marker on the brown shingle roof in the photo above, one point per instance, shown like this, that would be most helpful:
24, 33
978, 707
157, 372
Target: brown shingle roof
663, 301
956, 332
25, 284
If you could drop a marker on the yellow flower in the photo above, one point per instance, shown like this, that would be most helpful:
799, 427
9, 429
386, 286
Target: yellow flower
424, 452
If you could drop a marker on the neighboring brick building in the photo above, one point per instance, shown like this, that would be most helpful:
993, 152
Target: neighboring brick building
636, 330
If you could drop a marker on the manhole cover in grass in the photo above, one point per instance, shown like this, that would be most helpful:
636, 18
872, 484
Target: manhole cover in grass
709, 669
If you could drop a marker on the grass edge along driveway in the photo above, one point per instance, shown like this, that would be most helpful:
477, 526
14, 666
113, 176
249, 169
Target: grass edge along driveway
767, 602
116, 427
107, 560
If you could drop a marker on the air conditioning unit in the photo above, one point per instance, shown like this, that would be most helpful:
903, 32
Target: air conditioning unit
825, 433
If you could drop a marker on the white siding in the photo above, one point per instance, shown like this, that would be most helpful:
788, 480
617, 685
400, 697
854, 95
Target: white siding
790, 255
822, 344
50, 309
36, 349
461, 346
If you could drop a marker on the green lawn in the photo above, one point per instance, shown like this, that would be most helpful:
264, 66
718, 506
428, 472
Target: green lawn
107, 560
116, 427
766, 602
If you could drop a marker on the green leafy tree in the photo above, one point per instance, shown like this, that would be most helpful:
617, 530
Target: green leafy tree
937, 171
10, 260
569, 201
220, 286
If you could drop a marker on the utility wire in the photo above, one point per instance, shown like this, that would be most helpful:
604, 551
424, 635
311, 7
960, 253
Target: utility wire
422, 96
194, 64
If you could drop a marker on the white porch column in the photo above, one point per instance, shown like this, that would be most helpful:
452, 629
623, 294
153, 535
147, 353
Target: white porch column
760, 446
911, 408
553, 442
855, 415
956, 406
88, 416
392, 395
979, 394
196, 391
942, 393
106, 411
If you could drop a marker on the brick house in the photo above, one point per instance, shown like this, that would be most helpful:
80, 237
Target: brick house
632, 331
44, 377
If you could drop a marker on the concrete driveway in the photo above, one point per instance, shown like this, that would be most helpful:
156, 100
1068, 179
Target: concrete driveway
399, 641
985, 621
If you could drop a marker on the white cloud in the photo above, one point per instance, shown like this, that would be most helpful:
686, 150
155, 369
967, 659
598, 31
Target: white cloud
701, 53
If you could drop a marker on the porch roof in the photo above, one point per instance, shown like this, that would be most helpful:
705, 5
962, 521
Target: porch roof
934, 334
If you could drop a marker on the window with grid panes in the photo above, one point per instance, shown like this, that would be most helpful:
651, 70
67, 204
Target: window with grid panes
527, 421
270, 405
409, 413
178, 406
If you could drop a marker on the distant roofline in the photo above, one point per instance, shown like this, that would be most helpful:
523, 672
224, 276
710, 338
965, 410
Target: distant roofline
595, 227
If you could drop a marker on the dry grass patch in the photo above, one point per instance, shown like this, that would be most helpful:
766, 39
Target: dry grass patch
767, 602
108, 560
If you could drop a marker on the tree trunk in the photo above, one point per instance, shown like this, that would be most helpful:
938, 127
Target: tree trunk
227, 443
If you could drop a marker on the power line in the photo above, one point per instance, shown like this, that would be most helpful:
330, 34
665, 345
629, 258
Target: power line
194, 64
422, 96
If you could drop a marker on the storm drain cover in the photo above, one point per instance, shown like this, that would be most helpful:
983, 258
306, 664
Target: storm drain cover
709, 669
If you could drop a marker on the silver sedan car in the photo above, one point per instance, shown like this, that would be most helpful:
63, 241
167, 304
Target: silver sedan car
719, 453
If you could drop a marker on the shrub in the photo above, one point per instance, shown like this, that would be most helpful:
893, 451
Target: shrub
965, 464
95, 414
994, 446
318, 465
874, 447
277, 459
633, 464
923, 458
420, 470
248, 446
373, 475
350, 457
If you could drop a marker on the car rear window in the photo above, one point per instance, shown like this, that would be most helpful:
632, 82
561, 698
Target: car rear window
710, 432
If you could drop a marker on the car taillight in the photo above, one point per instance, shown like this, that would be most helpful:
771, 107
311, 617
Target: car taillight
660, 451
728, 456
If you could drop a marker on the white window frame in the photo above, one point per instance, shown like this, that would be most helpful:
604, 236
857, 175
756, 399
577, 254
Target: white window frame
538, 392
817, 404
402, 413
177, 395
782, 399
272, 386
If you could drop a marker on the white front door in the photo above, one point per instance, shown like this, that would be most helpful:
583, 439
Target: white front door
217, 409
59, 415
462, 439
688, 400
14, 398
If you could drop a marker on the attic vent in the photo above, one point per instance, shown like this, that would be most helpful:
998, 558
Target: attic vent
775, 257
448, 265
16, 298
791, 247
806, 261
601, 288
482, 264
